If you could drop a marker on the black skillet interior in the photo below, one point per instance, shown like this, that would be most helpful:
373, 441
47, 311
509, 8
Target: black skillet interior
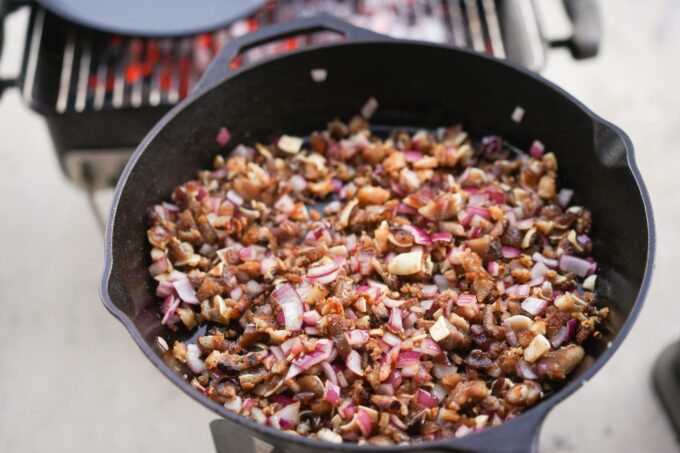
417, 85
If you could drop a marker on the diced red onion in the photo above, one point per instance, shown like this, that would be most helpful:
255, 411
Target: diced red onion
285, 204
410, 370
395, 321
430, 347
396, 421
478, 199
168, 308
391, 339
407, 358
493, 268
223, 136
298, 183
496, 195
347, 409
492, 145
277, 352
538, 270
564, 334
235, 404
413, 156
510, 335
518, 290
410, 320
311, 317
426, 399
291, 305
392, 303
576, 265
234, 198
243, 151
534, 305
404, 208
525, 224
537, 257
523, 290
385, 389
476, 329
466, 300
322, 271
394, 378
267, 265
427, 305
321, 352
356, 337
329, 372
564, 197
500, 286
441, 237
353, 362
537, 149
429, 290
369, 108
342, 380
535, 282
420, 236
583, 239
236, 293
248, 404
475, 210
259, 416
194, 361
165, 289
286, 418
159, 267
525, 370
442, 370
365, 423
185, 291
253, 288
328, 278
441, 282
247, 253
510, 252
331, 393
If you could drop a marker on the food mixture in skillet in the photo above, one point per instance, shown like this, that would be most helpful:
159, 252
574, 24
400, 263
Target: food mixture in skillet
384, 290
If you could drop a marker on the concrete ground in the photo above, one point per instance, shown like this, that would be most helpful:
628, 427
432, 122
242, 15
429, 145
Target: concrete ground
71, 379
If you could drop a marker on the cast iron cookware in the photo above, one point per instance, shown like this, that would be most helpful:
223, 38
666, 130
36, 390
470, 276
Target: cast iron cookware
417, 85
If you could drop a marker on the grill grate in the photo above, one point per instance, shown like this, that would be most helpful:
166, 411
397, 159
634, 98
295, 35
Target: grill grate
101, 71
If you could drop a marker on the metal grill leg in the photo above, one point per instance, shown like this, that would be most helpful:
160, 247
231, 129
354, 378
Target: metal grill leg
233, 440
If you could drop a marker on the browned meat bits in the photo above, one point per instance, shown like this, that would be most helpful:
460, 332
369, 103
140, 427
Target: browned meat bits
379, 290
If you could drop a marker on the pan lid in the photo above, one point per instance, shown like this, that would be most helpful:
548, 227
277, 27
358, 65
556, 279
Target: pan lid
152, 17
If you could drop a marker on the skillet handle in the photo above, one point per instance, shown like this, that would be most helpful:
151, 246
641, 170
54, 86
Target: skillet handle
585, 18
220, 67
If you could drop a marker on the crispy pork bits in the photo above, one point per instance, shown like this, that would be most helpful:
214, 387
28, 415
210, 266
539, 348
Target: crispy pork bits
386, 290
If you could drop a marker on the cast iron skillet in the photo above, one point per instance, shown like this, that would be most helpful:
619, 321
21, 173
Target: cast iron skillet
417, 85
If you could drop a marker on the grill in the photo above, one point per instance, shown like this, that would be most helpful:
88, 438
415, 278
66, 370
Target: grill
101, 93
99, 71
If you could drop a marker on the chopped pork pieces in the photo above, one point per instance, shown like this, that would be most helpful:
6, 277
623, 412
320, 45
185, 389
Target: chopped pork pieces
381, 290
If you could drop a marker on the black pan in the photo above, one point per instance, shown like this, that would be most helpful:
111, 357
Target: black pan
417, 85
